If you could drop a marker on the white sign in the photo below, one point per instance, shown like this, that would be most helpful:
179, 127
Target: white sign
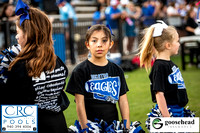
174, 124
19, 118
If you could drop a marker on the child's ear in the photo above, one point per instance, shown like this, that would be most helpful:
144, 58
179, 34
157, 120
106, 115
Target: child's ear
168, 45
87, 45
111, 44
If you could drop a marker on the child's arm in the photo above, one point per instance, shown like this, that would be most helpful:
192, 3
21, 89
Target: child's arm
162, 104
124, 109
80, 109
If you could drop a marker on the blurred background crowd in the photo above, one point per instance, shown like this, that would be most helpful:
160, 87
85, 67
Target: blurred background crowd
127, 18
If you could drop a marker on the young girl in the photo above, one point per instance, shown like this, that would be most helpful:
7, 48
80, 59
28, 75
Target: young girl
167, 86
98, 83
37, 76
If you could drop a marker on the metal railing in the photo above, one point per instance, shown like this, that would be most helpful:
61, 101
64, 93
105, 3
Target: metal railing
68, 36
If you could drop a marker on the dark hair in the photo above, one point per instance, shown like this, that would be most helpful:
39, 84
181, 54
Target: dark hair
97, 27
38, 50
3, 13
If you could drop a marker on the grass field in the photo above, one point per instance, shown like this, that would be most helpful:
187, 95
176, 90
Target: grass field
139, 94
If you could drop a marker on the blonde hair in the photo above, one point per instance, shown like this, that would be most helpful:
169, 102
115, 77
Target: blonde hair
38, 51
150, 45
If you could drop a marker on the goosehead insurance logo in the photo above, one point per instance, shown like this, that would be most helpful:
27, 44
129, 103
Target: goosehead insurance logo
19, 118
174, 124
156, 123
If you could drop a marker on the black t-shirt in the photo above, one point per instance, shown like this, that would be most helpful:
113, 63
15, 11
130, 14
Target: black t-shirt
166, 77
191, 23
44, 91
101, 87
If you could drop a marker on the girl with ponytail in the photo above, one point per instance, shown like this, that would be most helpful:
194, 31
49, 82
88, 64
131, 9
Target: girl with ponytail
167, 86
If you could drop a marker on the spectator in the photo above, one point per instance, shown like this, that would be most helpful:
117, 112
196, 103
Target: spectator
113, 15
160, 12
192, 29
66, 12
172, 10
98, 15
129, 13
8, 13
182, 10
147, 13
191, 25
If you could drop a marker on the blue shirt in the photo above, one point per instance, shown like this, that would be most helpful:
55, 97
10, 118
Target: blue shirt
67, 12
109, 12
97, 17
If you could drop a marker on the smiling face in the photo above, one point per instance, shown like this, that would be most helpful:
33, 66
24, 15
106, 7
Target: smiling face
99, 44
21, 37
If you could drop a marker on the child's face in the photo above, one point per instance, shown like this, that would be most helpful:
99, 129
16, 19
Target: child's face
21, 38
99, 44
9, 11
175, 44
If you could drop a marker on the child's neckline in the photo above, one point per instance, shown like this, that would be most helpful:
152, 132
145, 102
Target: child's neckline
97, 64
163, 60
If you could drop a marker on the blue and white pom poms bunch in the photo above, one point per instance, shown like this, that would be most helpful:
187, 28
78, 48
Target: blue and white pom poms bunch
103, 127
6, 59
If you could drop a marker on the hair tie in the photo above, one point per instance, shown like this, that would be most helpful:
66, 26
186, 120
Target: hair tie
158, 28
22, 9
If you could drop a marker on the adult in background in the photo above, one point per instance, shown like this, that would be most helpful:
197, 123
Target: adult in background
113, 15
192, 29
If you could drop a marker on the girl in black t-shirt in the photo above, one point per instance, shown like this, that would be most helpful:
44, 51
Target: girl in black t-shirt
37, 76
167, 86
98, 83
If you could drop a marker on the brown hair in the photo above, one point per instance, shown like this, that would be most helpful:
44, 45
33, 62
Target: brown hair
38, 50
149, 45
97, 27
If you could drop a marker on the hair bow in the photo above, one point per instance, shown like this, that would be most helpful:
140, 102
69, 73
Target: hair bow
108, 26
22, 9
158, 28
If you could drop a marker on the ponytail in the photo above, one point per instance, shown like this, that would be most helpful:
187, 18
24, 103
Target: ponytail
147, 48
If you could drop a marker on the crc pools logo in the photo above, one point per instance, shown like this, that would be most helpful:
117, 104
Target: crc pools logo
171, 124
157, 124
19, 118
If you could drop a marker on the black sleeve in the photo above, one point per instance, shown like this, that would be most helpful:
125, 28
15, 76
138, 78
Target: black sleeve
76, 82
159, 79
19, 86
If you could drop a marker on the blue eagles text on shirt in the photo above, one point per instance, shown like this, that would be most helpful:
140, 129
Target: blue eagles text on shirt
106, 89
176, 78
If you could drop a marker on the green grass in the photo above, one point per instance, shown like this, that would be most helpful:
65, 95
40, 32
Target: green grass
139, 96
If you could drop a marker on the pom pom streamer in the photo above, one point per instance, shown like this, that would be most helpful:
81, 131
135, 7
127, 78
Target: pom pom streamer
100, 126
9, 55
155, 112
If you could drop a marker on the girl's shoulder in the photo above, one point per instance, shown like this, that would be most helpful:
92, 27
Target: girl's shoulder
160, 62
115, 67
162, 65
81, 66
